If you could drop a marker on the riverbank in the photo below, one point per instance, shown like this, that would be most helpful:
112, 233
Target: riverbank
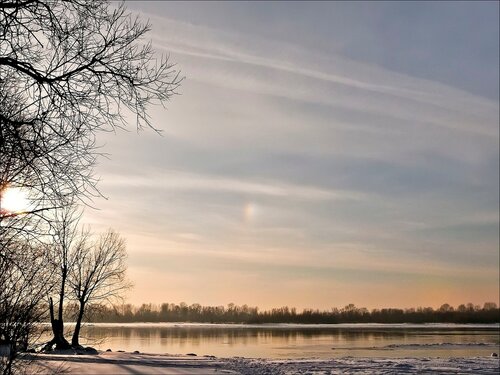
121, 363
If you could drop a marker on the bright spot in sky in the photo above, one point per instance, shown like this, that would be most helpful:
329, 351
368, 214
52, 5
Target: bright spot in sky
13, 200
249, 211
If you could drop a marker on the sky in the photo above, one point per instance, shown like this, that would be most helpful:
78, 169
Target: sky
318, 154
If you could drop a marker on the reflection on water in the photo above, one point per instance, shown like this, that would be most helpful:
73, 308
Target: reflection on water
283, 341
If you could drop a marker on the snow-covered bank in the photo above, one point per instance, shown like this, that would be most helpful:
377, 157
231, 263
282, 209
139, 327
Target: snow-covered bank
134, 363
366, 366
111, 363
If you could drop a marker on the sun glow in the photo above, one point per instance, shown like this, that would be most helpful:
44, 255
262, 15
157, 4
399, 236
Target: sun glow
14, 200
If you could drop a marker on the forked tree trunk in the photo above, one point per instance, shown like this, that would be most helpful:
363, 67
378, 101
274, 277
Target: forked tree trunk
76, 333
57, 329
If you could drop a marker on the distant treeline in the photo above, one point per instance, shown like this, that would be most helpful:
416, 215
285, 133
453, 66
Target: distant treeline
170, 312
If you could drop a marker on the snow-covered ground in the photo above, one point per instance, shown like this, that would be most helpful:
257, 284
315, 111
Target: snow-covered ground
108, 363
367, 366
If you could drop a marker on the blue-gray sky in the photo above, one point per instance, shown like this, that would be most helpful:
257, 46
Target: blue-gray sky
320, 154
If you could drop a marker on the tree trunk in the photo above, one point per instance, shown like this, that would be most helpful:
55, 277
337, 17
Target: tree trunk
75, 340
57, 329
61, 295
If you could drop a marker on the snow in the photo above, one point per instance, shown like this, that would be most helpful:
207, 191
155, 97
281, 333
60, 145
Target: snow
108, 363
366, 366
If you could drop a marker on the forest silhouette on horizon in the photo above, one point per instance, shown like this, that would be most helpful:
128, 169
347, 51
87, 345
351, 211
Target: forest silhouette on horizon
196, 313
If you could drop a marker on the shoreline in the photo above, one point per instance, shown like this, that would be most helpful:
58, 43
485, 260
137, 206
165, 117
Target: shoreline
135, 363
293, 325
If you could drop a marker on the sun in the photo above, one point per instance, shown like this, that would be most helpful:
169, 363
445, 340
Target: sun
14, 200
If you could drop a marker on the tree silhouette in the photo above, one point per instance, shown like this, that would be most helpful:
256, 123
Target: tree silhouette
68, 70
26, 276
98, 273
67, 238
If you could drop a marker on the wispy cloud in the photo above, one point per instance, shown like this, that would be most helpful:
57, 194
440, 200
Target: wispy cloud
171, 180
312, 65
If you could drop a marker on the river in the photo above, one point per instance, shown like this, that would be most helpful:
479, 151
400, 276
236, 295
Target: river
297, 341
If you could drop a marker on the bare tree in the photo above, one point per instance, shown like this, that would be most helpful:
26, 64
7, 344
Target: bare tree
66, 238
98, 274
26, 276
68, 69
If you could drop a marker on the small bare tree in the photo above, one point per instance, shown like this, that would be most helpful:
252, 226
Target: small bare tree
98, 274
66, 240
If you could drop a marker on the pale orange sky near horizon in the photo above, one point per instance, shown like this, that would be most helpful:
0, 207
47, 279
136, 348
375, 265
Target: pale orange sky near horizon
309, 170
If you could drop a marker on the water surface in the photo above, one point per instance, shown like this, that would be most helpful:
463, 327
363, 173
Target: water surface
297, 341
